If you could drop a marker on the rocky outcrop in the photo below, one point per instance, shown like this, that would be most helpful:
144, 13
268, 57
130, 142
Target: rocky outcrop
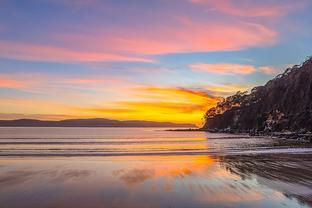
282, 104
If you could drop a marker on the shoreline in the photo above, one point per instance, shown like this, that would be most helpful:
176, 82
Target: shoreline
302, 136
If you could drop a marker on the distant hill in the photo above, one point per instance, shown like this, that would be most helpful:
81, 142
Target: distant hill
284, 103
95, 122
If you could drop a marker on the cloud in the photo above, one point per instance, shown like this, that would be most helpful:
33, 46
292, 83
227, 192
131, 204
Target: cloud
11, 83
98, 81
223, 68
19, 81
158, 33
226, 89
35, 52
108, 110
171, 32
232, 68
108, 97
135, 176
169, 108
250, 8
33, 106
188, 93
270, 70
193, 35
173, 104
10, 116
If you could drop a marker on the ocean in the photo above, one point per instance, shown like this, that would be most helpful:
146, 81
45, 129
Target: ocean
150, 167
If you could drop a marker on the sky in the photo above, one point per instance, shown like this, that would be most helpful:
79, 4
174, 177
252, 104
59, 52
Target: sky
156, 60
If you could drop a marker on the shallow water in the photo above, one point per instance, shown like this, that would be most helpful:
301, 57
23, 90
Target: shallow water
150, 167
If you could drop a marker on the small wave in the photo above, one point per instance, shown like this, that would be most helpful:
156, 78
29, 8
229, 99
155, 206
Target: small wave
155, 152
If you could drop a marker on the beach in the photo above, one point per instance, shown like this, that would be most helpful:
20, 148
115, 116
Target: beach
150, 167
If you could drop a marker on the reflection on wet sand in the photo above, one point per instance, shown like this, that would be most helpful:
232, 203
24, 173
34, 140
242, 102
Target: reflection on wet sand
290, 174
154, 181
134, 176
16, 177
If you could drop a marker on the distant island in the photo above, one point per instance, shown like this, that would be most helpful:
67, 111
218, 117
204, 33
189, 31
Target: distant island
284, 104
94, 122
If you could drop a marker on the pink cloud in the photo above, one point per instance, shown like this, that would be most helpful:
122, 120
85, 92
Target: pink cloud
171, 33
186, 36
250, 8
128, 44
25, 51
174, 32
223, 68
95, 81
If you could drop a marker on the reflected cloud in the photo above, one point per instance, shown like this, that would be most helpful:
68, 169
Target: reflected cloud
149, 181
134, 176
166, 169
15, 177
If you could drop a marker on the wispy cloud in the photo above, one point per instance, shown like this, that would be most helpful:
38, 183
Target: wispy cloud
35, 52
186, 36
171, 32
233, 68
11, 83
10, 116
223, 68
250, 8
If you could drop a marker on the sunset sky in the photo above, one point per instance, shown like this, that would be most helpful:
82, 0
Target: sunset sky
158, 60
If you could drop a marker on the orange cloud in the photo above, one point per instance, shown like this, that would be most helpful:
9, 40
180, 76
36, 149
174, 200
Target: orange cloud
179, 105
33, 106
11, 83
127, 100
188, 95
110, 110
267, 70
10, 116
166, 107
167, 167
223, 68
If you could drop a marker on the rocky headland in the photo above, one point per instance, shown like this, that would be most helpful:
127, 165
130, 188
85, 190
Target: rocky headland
281, 108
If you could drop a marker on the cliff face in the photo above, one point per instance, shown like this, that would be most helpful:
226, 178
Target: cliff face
284, 103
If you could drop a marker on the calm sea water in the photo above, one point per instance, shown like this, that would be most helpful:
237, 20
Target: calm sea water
150, 167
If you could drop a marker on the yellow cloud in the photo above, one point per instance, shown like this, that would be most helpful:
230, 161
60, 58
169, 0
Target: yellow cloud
160, 104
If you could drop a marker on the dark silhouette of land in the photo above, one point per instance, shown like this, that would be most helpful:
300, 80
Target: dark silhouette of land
282, 104
94, 122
